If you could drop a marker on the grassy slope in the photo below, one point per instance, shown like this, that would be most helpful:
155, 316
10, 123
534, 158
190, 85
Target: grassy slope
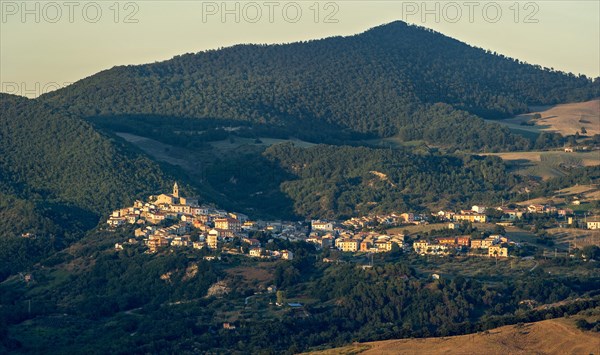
555, 336
548, 164
565, 119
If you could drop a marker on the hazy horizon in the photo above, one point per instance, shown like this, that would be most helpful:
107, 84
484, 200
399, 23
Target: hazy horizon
45, 46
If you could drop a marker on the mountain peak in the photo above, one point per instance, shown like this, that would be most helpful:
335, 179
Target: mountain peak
375, 83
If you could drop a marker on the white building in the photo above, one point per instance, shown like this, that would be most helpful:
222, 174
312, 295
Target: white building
287, 255
593, 223
321, 225
478, 209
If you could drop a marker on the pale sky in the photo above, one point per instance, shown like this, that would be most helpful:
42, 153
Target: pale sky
45, 44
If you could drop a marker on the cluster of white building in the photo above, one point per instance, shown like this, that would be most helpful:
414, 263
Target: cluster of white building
197, 226
443, 245
326, 234
201, 226
390, 219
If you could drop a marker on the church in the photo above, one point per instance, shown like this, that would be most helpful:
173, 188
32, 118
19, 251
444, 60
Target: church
175, 198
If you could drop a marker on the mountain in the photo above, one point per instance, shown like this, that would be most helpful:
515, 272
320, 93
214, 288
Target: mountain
57, 176
395, 79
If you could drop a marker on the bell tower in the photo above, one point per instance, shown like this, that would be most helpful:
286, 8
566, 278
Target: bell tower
175, 190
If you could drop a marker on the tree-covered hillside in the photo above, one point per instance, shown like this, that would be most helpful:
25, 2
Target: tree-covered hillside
47, 155
381, 82
57, 176
348, 181
131, 302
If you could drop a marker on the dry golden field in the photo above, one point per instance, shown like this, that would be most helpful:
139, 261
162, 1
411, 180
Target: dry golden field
555, 336
566, 119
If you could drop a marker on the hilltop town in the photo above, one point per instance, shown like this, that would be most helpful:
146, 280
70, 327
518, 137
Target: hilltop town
171, 220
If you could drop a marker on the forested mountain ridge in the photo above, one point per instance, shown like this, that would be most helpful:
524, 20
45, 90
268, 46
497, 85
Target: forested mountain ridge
57, 177
381, 82
50, 156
